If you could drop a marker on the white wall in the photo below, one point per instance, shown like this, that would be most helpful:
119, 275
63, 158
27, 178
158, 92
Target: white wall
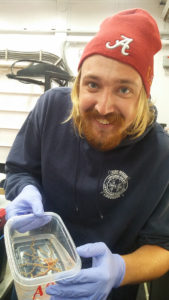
160, 87
43, 25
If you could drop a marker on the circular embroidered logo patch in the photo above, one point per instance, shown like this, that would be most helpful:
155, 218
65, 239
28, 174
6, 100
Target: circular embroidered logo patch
115, 184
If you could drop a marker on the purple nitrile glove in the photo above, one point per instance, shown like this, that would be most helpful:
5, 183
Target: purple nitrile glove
94, 283
28, 205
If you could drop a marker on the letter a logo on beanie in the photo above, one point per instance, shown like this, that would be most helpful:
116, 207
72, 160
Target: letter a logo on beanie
123, 43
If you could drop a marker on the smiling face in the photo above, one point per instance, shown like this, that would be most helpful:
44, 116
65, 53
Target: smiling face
108, 97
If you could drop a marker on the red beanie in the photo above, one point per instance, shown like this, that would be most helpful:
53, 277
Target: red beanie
131, 37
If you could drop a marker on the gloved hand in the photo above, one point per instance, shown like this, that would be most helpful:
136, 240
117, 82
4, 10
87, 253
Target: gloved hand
29, 201
94, 283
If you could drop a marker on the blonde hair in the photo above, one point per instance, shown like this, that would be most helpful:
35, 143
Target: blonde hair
144, 117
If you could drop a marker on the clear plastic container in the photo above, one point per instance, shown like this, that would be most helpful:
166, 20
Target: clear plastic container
40, 257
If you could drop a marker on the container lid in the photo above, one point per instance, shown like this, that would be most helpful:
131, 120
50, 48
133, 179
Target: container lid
41, 255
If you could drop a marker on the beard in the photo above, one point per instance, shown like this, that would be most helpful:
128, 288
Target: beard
102, 139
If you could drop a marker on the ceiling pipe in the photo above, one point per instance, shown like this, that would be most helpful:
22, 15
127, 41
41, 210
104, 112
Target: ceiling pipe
165, 12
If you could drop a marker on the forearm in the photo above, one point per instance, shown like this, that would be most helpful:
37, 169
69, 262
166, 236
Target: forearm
146, 263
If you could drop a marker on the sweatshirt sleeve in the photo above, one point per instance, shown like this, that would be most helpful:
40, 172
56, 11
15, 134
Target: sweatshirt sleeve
156, 229
23, 165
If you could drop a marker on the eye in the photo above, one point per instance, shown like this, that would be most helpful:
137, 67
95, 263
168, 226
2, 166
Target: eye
92, 85
124, 90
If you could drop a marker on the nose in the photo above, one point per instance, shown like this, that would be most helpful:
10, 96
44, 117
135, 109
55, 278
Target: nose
105, 103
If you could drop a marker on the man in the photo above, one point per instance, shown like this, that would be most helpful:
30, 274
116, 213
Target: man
100, 160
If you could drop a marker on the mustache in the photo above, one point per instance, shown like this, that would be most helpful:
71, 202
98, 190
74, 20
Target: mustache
113, 118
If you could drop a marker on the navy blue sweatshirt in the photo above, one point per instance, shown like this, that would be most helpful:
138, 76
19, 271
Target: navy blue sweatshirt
119, 197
